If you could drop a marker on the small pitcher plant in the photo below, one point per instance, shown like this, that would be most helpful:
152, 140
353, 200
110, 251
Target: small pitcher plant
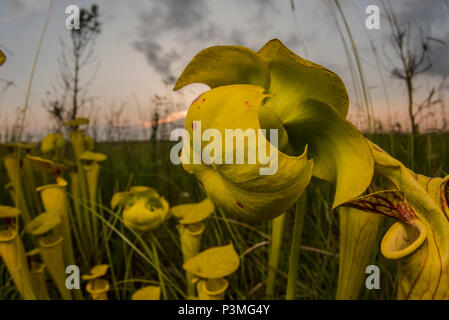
44, 229
191, 229
15, 169
144, 210
37, 269
419, 240
97, 286
54, 198
12, 252
210, 268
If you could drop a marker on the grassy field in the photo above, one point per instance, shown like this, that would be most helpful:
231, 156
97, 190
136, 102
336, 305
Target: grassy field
147, 163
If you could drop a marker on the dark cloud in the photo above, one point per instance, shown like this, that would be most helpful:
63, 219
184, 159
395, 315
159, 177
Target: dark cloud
186, 20
183, 23
156, 56
419, 12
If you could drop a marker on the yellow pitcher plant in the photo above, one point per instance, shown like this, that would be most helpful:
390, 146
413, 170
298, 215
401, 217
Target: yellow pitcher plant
43, 227
143, 208
97, 286
273, 89
359, 233
14, 164
81, 142
419, 240
54, 198
37, 269
12, 252
211, 267
92, 170
190, 229
53, 146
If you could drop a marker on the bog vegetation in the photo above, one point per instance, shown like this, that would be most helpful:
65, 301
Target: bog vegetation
140, 227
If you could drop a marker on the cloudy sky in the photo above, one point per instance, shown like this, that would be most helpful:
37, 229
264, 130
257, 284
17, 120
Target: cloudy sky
143, 43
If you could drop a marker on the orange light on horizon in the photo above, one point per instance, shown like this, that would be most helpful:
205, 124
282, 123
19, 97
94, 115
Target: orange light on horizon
172, 117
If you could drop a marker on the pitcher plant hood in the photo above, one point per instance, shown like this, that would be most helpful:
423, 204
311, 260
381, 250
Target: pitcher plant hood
143, 207
275, 89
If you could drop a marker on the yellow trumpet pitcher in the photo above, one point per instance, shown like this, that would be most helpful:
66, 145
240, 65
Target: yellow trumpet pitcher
37, 270
143, 208
53, 144
419, 240
50, 247
13, 167
30, 184
147, 293
359, 234
272, 89
13, 252
97, 287
211, 267
78, 136
191, 229
92, 170
75, 189
80, 143
55, 199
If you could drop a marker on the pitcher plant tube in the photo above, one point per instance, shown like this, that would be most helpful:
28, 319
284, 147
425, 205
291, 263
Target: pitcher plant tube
44, 228
92, 170
14, 164
359, 235
55, 199
191, 229
81, 142
12, 252
37, 269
